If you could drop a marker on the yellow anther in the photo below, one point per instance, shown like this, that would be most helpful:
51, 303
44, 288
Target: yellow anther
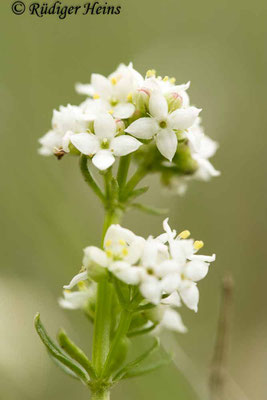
130, 97
150, 73
108, 243
125, 251
111, 112
184, 235
96, 96
109, 253
113, 80
198, 244
166, 78
172, 80
67, 291
122, 242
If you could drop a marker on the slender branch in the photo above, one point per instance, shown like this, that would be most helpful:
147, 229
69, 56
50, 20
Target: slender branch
217, 376
133, 181
89, 179
122, 330
123, 170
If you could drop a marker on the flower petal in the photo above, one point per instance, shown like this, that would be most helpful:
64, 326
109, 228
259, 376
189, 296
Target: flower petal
103, 159
201, 257
102, 86
166, 141
196, 270
190, 295
170, 283
86, 89
151, 290
123, 145
183, 118
94, 255
82, 276
123, 111
115, 233
86, 143
172, 300
158, 106
105, 126
143, 128
125, 272
172, 320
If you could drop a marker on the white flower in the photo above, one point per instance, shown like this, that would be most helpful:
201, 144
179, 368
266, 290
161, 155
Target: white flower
114, 90
104, 144
65, 122
192, 267
162, 125
77, 299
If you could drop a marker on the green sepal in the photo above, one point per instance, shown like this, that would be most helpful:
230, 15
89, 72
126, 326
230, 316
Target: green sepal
75, 352
147, 368
149, 210
134, 364
56, 353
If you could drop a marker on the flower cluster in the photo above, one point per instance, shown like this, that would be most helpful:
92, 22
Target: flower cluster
166, 269
126, 113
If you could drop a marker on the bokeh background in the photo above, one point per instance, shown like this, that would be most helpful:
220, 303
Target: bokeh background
48, 214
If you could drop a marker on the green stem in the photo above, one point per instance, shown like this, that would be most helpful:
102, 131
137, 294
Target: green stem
102, 325
123, 170
102, 394
121, 332
89, 179
133, 181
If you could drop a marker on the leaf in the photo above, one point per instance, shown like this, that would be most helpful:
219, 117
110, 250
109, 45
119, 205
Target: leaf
138, 192
123, 371
56, 353
62, 367
142, 331
147, 368
148, 209
75, 352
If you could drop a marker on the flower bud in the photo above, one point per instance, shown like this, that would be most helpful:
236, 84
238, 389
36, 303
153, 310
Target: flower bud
140, 99
174, 101
120, 126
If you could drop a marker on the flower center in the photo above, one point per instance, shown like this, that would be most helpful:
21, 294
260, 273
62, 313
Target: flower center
163, 124
104, 143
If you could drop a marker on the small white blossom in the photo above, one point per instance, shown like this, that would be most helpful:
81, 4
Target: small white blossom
114, 90
104, 145
162, 124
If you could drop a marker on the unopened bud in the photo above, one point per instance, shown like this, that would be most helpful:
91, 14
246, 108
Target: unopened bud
140, 99
120, 126
174, 101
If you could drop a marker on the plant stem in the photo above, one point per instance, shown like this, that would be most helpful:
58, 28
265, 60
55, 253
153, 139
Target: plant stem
101, 337
102, 394
123, 170
133, 181
89, 179
122, 330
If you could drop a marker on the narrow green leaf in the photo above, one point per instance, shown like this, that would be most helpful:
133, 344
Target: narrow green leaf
133, 364
75, 352
57, 353
147, 368
138, 192
139, 332
148, 209
62, 367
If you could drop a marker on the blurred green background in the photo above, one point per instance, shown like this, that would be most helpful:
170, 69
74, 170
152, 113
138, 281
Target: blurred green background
48, 214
